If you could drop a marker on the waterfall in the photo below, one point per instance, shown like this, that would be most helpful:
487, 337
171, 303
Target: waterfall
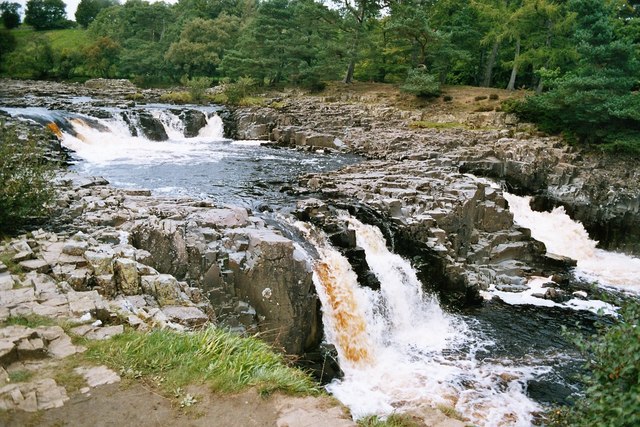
399, 351
120, 140
564, 236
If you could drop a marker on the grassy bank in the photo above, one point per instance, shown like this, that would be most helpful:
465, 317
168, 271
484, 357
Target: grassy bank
223, 361
71, 39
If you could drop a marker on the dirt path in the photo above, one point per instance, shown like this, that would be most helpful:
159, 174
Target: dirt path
134, 404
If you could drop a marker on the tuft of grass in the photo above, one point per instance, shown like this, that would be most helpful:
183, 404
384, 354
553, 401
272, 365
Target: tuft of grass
436, 125
252, 101
7, 259
66, 377
136, 96
224, 361
393, 420
20, 376
29, 320
494, 96
182, 97
450, 412
480, 98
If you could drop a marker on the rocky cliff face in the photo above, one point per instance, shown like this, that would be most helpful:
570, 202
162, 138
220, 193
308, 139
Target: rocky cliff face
457, 227
600, 190
187, 262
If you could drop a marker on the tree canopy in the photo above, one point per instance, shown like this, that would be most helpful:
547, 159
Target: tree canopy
89, 9
580, 56
10, 13
46, 14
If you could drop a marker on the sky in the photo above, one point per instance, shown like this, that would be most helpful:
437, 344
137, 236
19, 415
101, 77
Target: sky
72, 5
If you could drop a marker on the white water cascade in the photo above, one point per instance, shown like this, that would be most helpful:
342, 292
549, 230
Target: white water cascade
100, 141
400, 352
564, 236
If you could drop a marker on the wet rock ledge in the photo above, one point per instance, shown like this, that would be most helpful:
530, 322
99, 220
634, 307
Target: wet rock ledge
124, 257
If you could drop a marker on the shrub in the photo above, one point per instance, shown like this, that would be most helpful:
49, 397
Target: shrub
447, 98
494, 96
421, 84
26, 189
242, 88
197, 87
480, 98
612, 397
176, 97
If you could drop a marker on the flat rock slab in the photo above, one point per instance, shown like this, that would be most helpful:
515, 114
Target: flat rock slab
98, 332
13, 297
34, 396
311, 412
39, 265
188, 316
98, 375
6, 281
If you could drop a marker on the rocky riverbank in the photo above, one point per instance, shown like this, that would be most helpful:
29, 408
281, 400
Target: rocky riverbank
419, 179
114, 258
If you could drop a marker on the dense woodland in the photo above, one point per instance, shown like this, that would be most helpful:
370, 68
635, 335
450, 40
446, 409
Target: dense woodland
581, 56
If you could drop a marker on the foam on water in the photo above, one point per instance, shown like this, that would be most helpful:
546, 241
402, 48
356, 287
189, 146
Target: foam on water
536, 287
112, 143
564, 236
409, 353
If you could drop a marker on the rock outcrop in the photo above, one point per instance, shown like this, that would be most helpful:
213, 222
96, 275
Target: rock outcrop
184, 253
600, 190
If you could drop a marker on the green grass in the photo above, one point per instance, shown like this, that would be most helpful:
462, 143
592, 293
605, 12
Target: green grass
30, 321
450, 412
221, 360
7, 259
60, 39
20, 376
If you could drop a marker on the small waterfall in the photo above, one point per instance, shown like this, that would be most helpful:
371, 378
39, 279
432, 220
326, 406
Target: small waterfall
173, 125
400, 352
564, 236
119, 141
214, 128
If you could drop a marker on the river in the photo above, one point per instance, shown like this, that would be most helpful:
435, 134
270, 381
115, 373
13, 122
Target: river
499, 364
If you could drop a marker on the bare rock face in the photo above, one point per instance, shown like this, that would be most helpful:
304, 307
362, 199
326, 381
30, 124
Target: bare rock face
236, 261
602, 191
193, 121
276, 279
151, 127
459, 226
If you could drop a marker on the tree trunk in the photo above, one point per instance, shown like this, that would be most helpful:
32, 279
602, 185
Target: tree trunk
491, 62
540, 86
348, 78
514, 70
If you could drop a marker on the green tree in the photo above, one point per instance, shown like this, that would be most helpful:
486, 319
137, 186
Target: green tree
612, 396
33, 61
596, 103
462, 29
202, 43
7, 45
143, 31
89, 9
10, 14
46, 14
357, 16
101, 57
282, 43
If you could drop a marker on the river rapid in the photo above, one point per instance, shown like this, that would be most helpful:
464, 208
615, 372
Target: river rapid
500, 363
